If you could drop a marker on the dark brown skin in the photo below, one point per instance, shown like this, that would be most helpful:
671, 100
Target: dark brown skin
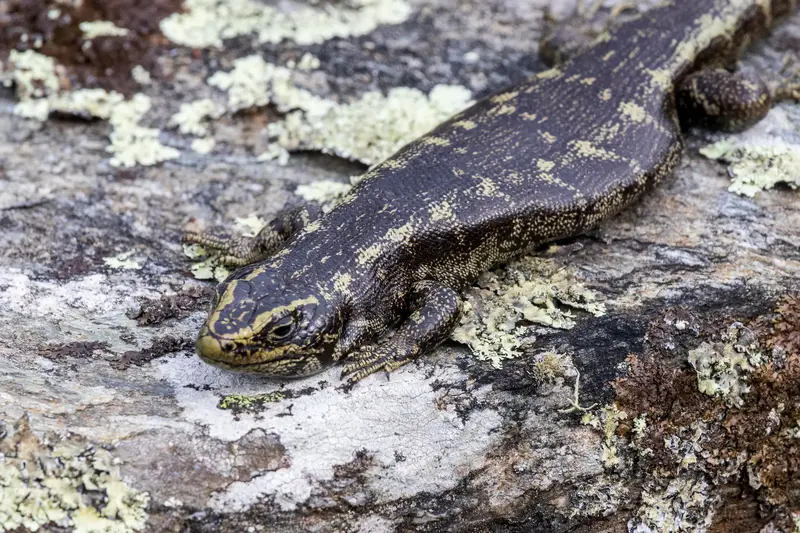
547, 159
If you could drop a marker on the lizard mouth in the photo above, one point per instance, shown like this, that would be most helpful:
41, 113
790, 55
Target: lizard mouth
284, 362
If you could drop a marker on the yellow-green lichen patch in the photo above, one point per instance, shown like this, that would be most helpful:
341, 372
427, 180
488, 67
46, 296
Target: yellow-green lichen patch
371, 128
64, 483
761, 158
723, 367
694, 439
122, 261
685, 505
253, 82
206, 264
207, 23
608, 420
368, 130
239, 403
503, 304
131, 143
549, 365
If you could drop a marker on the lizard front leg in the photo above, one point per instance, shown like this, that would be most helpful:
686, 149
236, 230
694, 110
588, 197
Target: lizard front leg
237, 251
435, 310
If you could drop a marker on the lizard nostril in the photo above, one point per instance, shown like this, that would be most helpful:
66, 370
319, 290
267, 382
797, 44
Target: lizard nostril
228, 346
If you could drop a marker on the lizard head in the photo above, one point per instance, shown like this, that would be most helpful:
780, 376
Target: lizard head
259, 323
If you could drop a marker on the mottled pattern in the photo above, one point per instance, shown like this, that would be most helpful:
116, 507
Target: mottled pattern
546, 159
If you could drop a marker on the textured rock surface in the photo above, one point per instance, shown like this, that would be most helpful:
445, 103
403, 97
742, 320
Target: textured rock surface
98, 312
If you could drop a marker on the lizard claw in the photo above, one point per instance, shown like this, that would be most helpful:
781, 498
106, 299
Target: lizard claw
370, 359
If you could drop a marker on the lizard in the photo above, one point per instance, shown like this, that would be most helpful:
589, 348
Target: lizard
375, 282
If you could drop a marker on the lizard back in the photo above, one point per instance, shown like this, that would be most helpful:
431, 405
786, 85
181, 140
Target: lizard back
547, 159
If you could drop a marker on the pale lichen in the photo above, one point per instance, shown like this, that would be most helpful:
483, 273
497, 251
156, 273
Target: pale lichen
240, 402
371, 128
367, 130
192, 117
131, 143
97, 103
101, 28
64, 483
762, 157
253, 82
723, 367
122, 261
141, 76
204, 145
207, 23
549, 365
503, 305
275, 152
686, 504
34, 77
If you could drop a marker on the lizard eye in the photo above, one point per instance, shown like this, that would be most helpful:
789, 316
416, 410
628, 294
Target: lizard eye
283, 329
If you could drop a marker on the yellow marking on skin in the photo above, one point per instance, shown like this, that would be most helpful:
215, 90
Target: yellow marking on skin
660, 78
341, 282
368, 254
324, 259
466, 124
587, 149
458, 171
553, 180
550, 74
402, 234
605, 95
574, 77
487, 187
302, 271
254, 274
260, 320
516, 177
633, 111
588, 81
461, 150
548, 137
312, 227
349, 197
504, 109
441, 211
394, 163
609, 55
528, 116
504, 97
436, 141
637, 169
545, 166
606, 132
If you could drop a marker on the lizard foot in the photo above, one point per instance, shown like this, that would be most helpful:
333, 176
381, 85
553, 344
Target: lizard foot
373, 358
235, 251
